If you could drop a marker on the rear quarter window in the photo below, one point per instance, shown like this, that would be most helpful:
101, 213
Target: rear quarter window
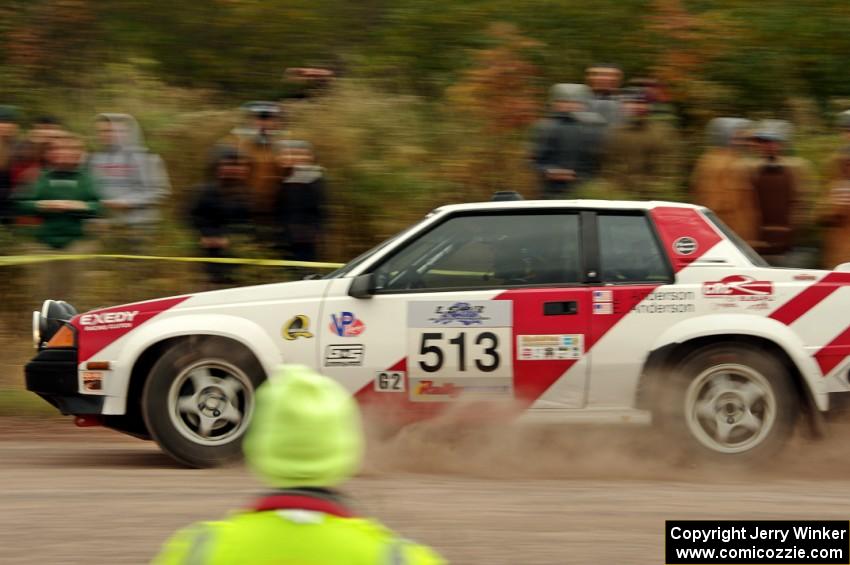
629, 252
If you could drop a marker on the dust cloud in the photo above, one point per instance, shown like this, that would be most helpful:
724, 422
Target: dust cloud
495, 445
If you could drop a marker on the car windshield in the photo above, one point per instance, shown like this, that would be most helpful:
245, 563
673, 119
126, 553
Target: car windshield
360, 259
736, 239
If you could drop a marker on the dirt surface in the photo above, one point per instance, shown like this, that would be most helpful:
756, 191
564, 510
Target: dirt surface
502, 496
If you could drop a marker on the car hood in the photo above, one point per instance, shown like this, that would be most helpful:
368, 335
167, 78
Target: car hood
240, 295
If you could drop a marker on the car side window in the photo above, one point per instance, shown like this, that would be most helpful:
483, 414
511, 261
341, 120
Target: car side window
629, 251
487, 251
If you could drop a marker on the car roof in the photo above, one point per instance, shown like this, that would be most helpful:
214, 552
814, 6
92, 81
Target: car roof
581, 204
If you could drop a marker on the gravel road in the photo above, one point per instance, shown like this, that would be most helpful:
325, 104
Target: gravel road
504, 497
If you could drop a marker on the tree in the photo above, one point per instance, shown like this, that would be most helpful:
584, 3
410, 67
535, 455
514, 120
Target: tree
495, 100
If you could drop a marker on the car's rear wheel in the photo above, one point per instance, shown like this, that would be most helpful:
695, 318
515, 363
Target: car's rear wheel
732, 403
199, 399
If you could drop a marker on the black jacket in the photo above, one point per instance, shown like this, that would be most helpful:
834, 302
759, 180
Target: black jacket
568, 141
300, 205
221, 210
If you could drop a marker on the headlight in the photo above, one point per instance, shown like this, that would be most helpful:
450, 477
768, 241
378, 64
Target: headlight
36, 328
51, 318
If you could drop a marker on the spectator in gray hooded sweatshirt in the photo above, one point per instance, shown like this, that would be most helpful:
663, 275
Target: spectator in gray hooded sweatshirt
133, 182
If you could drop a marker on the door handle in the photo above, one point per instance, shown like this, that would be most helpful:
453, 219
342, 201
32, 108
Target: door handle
568, 308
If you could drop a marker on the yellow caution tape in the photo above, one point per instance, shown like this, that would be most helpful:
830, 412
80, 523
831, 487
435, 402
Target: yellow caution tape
6, 260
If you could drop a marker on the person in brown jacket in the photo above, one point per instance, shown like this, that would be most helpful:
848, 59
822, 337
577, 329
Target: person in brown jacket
257, 142
641, 154
835, 211
780, 184
720, 180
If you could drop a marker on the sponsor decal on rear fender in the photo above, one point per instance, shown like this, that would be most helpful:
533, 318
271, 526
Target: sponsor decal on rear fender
737, 285
738, 291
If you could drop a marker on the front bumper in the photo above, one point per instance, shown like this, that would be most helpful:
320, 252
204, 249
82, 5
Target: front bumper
52, 374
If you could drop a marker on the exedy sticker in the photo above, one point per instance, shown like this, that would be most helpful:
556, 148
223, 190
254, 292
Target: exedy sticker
346, 324
108, 320
299, 326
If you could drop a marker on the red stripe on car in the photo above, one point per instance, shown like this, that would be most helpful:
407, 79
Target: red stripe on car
99, 328
685, 234
792, 310
833, 353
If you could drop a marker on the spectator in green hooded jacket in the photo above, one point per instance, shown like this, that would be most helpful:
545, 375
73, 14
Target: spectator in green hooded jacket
305, 439
62, 198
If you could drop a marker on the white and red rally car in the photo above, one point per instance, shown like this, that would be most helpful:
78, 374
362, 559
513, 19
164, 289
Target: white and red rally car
579, 311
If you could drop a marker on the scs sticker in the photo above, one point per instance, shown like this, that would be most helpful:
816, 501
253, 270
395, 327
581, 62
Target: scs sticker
344, 356
346, 324
738, 286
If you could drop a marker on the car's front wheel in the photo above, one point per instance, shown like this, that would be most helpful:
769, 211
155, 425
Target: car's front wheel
199, 398
733, 403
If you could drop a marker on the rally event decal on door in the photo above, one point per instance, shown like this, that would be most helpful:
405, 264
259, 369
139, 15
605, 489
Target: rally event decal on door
459, 349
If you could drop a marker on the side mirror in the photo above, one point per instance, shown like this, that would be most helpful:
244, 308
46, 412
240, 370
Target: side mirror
363, 286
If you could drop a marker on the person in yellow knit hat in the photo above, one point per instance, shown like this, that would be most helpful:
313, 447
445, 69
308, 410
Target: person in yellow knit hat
305, 439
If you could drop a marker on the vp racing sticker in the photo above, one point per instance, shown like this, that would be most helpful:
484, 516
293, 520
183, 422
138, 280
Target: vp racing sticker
346, 324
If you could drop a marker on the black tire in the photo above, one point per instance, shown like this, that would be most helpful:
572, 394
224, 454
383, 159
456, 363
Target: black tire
715, 391
228, 375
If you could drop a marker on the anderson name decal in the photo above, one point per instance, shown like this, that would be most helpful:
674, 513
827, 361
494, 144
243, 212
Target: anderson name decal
667, 302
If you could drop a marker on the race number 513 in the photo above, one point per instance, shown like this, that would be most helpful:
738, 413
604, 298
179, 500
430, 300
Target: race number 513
481, 352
